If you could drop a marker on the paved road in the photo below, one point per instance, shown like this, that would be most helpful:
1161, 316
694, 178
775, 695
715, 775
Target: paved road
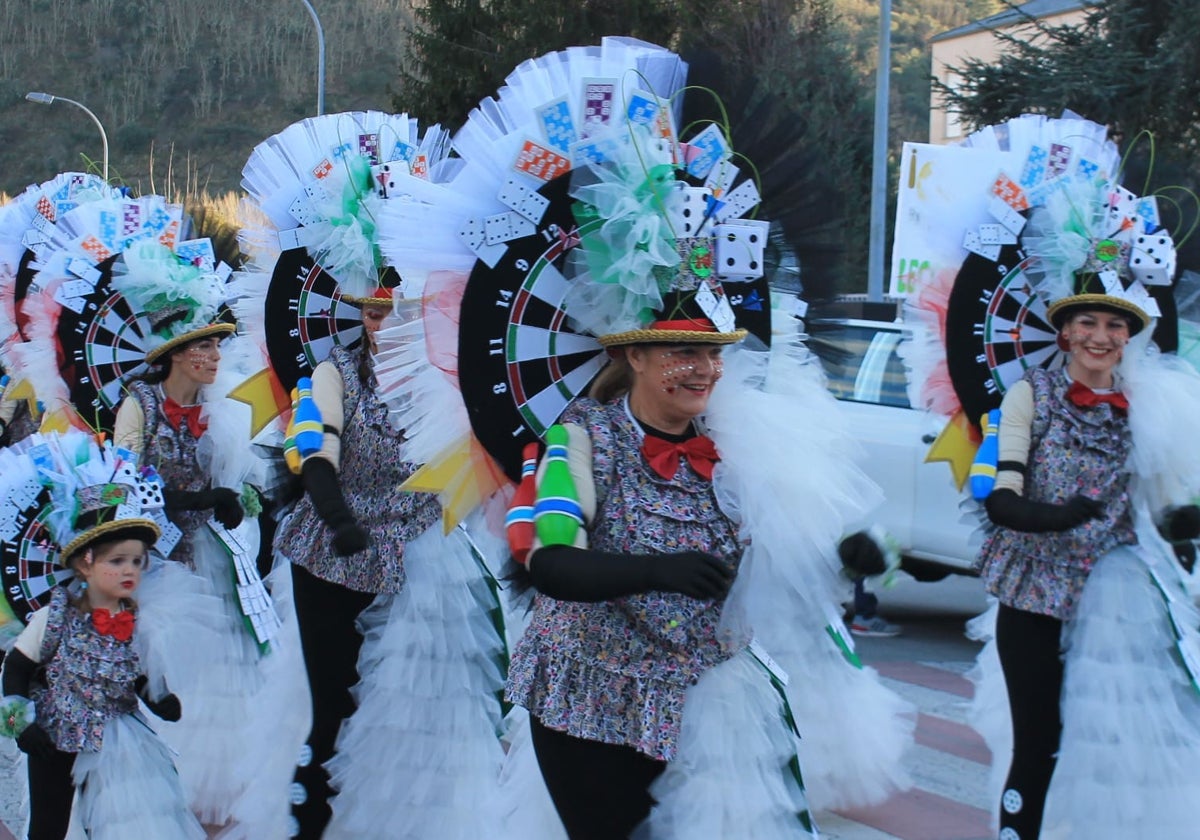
926, 665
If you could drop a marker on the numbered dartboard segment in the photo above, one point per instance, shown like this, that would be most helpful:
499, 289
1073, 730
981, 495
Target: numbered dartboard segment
996, 329
99, 347
305, 317
29, 560
519, 362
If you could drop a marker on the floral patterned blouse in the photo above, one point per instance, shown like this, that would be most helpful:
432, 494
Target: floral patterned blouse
173, 453
1072, 450
371, 470
89, 678
617, 671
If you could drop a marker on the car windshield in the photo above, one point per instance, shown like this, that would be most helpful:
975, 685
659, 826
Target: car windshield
860, 361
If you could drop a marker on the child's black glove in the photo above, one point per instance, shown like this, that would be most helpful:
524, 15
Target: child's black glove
166, 707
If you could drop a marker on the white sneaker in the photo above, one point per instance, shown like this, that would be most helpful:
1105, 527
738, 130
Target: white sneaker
873, 626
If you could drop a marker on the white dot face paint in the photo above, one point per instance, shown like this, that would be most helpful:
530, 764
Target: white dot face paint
672, 384
683, 363
199, 361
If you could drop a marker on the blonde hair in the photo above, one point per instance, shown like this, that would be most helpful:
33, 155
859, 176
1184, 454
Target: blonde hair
614, 380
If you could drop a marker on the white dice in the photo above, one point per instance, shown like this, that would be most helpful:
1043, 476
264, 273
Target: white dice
740, 246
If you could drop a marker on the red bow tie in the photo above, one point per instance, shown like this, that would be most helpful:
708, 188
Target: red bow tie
178, 414
663, 455
119, 626
1085, 397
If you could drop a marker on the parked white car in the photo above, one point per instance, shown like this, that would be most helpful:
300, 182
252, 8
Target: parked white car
921, 508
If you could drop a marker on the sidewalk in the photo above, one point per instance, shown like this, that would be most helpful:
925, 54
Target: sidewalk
949, 767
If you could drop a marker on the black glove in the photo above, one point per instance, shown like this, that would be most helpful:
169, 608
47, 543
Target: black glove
35, 742
321, 483
166, 707
18, 678
579, 574
225, 504
1180, 523
1006, 508
861, 555
227, 507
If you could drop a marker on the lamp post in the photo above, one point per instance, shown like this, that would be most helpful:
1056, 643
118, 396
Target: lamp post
320, 57
50, 99
879, 157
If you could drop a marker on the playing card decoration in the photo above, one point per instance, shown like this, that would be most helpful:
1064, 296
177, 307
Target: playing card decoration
120, 283
1052, 231
579, 214
320, 185
28, 227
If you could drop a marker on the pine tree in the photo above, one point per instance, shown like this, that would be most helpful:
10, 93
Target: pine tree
1133, 65
459, 51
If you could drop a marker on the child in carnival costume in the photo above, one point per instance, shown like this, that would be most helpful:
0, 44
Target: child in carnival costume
80, 672
582, 233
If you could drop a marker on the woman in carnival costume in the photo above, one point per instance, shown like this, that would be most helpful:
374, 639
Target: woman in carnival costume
235, 756
28, 227
74, 679
124, 303
645, 667
1095, 635
26, 224
383, 596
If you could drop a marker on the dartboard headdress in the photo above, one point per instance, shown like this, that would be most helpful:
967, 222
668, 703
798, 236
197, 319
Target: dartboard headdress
1044, 229
64, 492
85, 336
581, 216
316, 191
180, 292
28, 227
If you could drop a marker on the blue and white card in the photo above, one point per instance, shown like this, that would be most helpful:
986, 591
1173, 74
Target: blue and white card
558, 124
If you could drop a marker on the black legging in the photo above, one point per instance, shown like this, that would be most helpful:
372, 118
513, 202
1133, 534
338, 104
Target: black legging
325, 614
599, 790
1031, 658
50, 793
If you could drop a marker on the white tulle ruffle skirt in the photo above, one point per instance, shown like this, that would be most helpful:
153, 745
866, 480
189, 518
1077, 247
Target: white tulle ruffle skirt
421, 756
737, 772
1129, 756
1129, 761
245, 709
130, 788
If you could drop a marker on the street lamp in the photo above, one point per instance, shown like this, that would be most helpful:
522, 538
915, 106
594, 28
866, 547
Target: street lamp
50, 99
320, 57
879, 156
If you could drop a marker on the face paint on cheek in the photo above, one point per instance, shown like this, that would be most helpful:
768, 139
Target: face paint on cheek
197, 358
673, 372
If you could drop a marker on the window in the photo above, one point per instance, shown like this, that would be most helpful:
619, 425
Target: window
953, 117
860, 361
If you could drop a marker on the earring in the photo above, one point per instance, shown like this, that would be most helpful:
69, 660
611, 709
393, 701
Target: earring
83, 586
